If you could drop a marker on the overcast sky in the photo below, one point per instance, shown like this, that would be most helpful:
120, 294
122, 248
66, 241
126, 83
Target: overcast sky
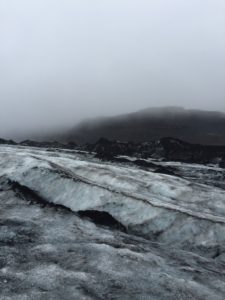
65, 60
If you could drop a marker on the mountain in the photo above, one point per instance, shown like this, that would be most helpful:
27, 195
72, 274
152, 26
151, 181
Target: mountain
194, 126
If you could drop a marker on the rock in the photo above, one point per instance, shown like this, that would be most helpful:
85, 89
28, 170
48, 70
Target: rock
46, 144
166, 149
7, 142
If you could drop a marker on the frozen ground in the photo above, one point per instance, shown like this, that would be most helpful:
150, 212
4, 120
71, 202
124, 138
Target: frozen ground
169, 242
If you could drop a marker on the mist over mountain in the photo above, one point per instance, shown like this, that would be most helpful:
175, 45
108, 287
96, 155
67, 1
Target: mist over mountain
194, 126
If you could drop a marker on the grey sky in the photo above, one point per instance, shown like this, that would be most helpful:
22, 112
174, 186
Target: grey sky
65, 60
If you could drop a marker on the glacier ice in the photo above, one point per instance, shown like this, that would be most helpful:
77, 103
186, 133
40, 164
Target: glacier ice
173, 248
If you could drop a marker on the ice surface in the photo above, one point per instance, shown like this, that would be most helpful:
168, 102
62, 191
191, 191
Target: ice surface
163, 207
173, 249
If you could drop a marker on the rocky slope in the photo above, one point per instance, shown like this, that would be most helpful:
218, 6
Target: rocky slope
166, 149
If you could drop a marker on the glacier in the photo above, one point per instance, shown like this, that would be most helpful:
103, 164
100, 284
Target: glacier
173, 245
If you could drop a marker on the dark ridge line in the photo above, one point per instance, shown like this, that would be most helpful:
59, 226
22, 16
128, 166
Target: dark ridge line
97, 217
25, 193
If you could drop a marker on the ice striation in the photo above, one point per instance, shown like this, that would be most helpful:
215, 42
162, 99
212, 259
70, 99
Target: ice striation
74, 227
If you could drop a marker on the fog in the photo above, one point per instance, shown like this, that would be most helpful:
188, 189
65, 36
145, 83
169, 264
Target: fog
63, 61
